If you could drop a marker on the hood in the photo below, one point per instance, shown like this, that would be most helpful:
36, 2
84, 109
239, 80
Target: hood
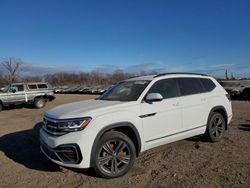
78, 109
3, 93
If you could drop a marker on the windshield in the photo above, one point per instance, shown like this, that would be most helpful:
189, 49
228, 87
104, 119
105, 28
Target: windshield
125, 91
5, 89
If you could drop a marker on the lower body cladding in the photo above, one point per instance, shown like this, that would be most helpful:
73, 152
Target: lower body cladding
70, 150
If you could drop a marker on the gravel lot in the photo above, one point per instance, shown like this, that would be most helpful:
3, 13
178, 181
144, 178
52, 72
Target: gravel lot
187, 163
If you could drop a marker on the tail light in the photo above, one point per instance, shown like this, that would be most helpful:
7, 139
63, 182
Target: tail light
228, 97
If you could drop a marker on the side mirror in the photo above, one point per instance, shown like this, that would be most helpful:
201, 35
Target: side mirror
153, 97
13, 90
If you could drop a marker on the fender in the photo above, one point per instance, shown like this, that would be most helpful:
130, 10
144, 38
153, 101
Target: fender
218, 108
110, 127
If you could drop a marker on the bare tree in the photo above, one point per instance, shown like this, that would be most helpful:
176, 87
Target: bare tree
12, 67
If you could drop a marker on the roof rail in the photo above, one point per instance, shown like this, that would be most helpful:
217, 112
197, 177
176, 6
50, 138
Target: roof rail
169, 73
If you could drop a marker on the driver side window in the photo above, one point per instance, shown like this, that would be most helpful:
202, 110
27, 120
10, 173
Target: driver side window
17, 88
167, 88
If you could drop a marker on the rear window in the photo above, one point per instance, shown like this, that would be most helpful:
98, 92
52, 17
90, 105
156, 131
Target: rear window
208, 84
32, 86
190, 86
42, 86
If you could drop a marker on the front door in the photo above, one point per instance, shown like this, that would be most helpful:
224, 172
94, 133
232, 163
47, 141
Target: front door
161, 119
16, 94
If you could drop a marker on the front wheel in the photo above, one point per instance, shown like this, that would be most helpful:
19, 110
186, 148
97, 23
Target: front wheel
216, 127
1, 107
114, 155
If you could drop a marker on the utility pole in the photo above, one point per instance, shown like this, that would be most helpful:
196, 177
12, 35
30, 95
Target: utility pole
226, 75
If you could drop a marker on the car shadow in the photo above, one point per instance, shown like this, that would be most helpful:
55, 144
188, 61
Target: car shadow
244, 127
198, 138
19, 106
23, 147
85, 171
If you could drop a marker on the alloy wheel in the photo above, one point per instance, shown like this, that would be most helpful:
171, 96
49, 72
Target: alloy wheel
114, 156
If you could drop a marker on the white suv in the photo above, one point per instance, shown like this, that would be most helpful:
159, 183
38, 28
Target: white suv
134, 115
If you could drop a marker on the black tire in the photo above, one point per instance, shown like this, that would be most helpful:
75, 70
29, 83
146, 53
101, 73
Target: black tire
216, 127
246, 94
39, 103
1, 107
114, 155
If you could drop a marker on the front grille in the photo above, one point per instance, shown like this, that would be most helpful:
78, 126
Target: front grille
51, 127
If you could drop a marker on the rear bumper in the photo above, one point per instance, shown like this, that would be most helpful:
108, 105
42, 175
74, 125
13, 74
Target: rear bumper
229, 119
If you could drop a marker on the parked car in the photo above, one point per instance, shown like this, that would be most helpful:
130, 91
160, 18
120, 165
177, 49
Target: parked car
237, 88
81, 89
133, 116
26, 93
57, 90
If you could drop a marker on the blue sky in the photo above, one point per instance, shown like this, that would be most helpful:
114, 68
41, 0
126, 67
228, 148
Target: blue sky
161, 35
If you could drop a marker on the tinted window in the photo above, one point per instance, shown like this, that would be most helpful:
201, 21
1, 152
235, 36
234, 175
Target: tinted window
18, 87
167, 88
189, 86
42, 86
32, 86
208, 84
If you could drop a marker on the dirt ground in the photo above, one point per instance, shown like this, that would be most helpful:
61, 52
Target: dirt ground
187, 163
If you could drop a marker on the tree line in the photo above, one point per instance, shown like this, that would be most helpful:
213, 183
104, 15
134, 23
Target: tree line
11, 72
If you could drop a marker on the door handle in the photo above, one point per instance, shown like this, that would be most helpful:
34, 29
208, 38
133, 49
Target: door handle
203, 99
176, 104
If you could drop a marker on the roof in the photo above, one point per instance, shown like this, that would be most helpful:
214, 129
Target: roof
182, 73
30, 83
151, 77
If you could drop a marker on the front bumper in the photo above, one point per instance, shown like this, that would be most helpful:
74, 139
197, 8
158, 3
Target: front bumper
67, 153
70, 150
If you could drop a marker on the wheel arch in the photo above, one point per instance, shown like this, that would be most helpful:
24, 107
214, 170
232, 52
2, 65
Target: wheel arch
221, 110
126, 128
40, 96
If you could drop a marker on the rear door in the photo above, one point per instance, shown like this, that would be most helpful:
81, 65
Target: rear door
193, 103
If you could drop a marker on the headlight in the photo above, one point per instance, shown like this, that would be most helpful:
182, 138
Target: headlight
74, 124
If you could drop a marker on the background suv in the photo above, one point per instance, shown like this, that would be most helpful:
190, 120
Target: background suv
133, 116
37, 94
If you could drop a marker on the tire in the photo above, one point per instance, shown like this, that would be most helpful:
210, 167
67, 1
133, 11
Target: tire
216, 127
246, 94
114, 155
1, 107
39, 103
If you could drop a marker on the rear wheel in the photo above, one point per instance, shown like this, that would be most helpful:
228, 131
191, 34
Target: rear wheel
39, 103
216, 127
114, 156
1, 107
